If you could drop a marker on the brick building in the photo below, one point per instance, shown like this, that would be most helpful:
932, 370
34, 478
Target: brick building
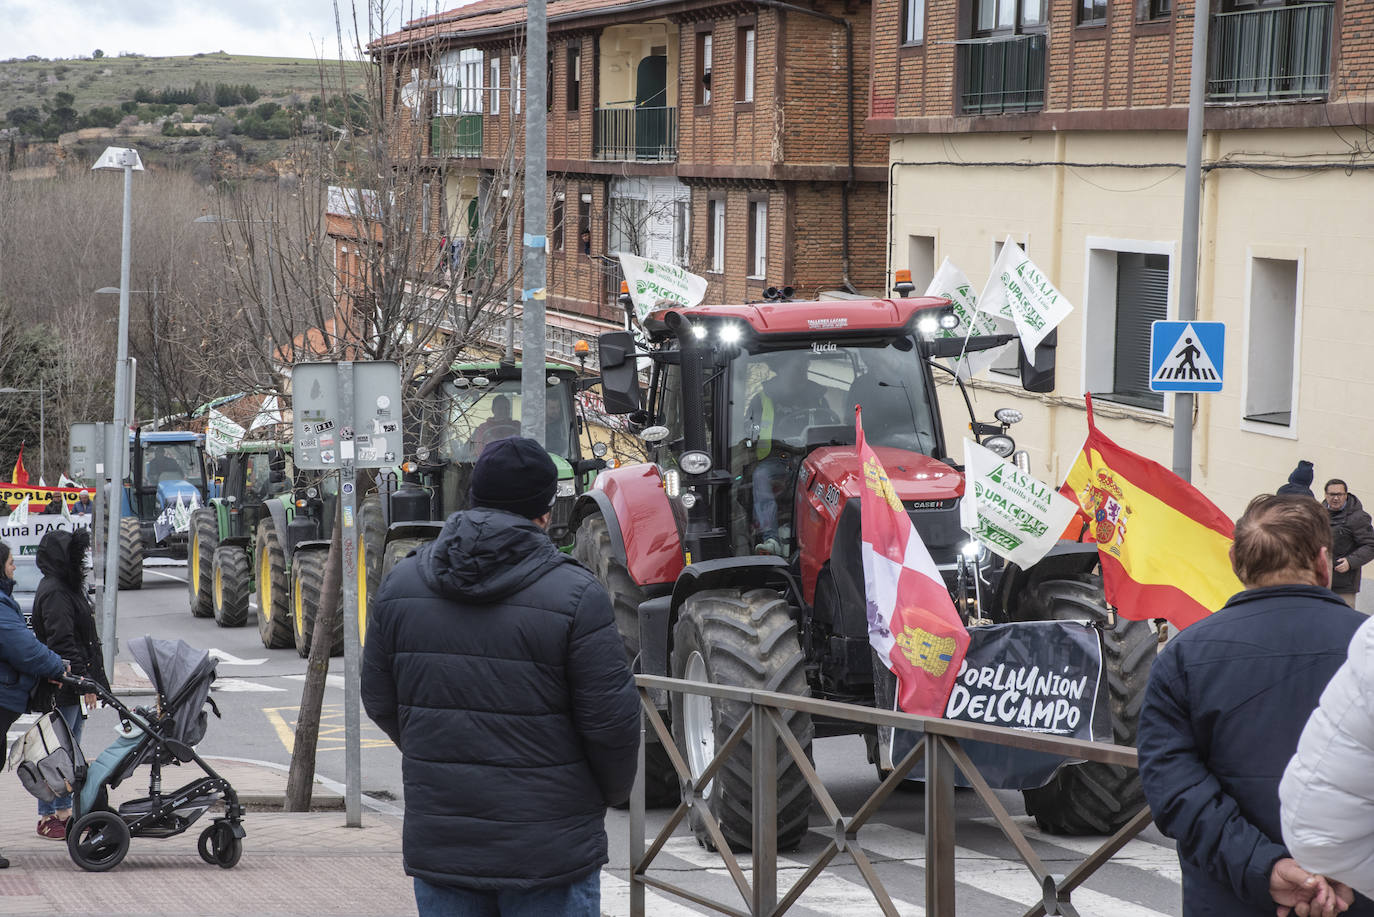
1063, 124
727, 138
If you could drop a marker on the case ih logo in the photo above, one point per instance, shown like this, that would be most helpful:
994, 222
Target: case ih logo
923, 505
824, 324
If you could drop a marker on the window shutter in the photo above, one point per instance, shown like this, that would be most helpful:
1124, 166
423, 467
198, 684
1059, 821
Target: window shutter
1142, 297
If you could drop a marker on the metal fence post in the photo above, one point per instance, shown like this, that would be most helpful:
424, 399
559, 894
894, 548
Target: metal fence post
765, 766
939, 827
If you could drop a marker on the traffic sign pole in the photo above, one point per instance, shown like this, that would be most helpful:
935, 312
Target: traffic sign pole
353, 762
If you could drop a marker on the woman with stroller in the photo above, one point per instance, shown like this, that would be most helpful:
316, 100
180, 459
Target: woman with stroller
64, 620
23, 658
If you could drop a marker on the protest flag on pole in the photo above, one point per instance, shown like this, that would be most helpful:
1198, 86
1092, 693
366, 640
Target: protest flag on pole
19, 474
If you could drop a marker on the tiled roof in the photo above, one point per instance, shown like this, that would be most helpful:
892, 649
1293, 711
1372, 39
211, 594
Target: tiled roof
486, 15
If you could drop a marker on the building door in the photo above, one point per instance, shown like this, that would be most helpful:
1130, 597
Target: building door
651, 107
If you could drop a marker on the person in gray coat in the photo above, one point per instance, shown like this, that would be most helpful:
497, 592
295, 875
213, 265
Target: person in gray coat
1352, 539
493, 662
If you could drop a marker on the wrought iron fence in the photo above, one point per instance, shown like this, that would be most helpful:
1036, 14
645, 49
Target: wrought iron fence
455, 135
939, 748
1281, 52
636, 133
1002, 73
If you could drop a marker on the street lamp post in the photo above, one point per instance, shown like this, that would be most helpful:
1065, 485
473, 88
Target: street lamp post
126, 159
42, 453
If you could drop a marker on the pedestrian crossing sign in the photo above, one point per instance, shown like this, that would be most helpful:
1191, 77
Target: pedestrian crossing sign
1187, 356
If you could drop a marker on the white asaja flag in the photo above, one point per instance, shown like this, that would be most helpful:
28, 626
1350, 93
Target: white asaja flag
1016, 515
1020, 291
952, 284
221, 434
652, 282
20, 516
269, 413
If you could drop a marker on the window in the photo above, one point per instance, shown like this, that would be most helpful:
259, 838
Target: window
682, 231
704, 68
517, 82
460, 82
1092, 12
629, 218
913, 21
920, 260
424, 209
574, 76
584, 223
744, 67
715, 233
1128, 289
758, 238
471, 64
991, 16
1272, 338
1153, 9
556, 223
496, 85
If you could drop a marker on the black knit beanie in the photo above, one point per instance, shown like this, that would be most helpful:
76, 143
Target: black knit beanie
1302, 475
516, 475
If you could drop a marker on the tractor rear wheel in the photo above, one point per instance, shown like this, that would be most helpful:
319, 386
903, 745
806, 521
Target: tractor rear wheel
592, 548
130, 554
200, 562
233, 585
274, 592
307, 586
1094, 798
371, 546
744, 640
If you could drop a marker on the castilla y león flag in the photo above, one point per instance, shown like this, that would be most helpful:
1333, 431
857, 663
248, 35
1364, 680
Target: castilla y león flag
912, 623
19, 474
1164, 547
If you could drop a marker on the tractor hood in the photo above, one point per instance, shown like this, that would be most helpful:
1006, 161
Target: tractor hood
920, 481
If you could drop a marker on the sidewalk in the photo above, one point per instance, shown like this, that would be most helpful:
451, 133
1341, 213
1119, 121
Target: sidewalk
293, 864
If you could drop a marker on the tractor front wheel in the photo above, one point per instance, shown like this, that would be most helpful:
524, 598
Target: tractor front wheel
274, 592
130, 554
744, 640
233, 585
200, 562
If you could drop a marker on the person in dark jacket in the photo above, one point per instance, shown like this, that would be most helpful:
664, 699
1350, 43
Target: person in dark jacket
1226, 702
64, 620
1352, 539
493, 662
1299, 482
23, 657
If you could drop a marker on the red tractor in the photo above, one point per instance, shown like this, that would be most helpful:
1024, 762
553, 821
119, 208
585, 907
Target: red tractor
732, 556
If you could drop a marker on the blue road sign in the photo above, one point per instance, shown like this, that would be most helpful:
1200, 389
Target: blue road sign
1187, 356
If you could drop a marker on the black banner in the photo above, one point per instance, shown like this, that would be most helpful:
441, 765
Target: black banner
1041, 676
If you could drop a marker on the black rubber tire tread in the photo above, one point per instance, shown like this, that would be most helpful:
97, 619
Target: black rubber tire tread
592, 549
225, 847
233, 586
307, 582
1092, 798
111, 835
200, 561
130, 554
275, 627
747, 640
371, 550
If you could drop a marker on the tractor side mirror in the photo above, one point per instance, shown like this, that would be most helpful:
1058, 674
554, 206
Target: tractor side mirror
619, 372
1037, 374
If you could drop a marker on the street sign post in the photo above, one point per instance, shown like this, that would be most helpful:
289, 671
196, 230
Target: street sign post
1187, 356
92, 459
348, 416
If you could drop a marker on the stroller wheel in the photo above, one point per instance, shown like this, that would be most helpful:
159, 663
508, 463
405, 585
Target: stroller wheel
219, 847
98, 841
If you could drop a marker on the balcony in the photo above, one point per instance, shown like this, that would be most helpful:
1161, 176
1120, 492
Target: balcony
1002, 73
1268, 54
455, 135
627, 132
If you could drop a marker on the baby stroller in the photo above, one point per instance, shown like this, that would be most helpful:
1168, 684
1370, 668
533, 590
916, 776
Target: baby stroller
98, 836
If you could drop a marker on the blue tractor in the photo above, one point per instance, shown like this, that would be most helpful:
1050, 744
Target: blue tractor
165, 469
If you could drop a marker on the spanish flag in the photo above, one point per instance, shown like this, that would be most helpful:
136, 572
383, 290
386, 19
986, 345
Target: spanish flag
1164, 547
19, 474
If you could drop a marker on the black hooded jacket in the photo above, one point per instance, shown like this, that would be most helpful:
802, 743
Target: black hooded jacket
493, 662
62, 616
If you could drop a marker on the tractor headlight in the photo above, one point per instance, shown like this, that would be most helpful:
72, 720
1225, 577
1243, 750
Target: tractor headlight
672, 483
1002, 445
971, 550
927, 326
948, 320
1008, 416
730, 334
689, 500
566, 488
694, 462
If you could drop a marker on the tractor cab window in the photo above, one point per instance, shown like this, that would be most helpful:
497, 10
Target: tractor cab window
669, 409
478, 415
171, 462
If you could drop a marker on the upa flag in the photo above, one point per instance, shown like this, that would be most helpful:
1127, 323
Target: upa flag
1164, 547
19, 474
912, 623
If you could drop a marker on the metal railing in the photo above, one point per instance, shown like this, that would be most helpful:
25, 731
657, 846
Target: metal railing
1002, 73
939, 748
455, 135
1281, 52
627, 132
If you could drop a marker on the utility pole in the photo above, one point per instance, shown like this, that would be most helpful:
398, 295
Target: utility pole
532, 373
1192, 207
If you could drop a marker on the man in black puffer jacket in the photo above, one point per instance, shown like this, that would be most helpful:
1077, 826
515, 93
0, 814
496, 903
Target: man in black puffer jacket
493, 662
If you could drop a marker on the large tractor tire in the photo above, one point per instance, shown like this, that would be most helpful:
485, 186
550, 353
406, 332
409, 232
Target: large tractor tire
592, 549
200, 562
307, 588
274, 590
371, 546
1093, 798
744, 640
233, 585
130, 554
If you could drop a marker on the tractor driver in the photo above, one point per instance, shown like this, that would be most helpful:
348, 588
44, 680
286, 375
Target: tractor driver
498, 426
778, 415
164, 467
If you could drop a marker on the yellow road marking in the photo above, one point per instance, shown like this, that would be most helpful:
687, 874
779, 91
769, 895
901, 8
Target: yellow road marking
283, 720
